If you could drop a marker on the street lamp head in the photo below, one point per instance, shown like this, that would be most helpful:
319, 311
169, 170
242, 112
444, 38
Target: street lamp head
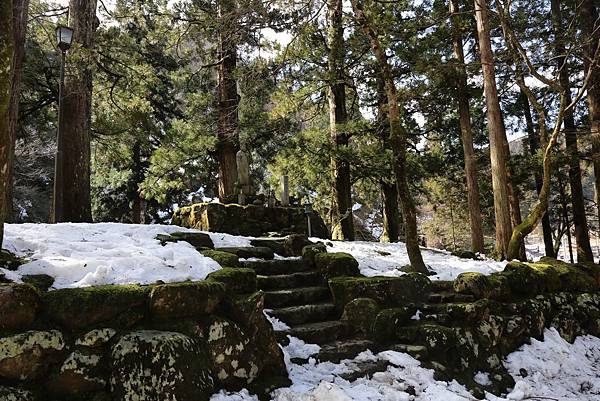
64, 37
308, 208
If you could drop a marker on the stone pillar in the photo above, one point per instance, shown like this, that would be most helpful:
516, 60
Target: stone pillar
285, 191
243, 170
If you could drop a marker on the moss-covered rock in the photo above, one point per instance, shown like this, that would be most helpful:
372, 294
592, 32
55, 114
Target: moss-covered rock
19, 304
386, 291
388, 321
15, 394
234, 364
523, 279
40, 281
245, 252
196, 239
159, 365
469, 311
96, 337
26, 356
310, 251
359, 314
237, 281
472, 283
187, 299
225, 259
10, 261
80, 374
294, 243
113, 306
336, 264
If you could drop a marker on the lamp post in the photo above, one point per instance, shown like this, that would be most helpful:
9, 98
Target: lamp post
64, 38
308, 209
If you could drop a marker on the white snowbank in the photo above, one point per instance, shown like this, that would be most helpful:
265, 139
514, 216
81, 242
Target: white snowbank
378, 259
78, 255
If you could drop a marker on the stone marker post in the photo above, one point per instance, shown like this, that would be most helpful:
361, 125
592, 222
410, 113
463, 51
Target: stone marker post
285, 191
243, 169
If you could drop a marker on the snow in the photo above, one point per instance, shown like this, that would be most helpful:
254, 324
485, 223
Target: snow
82, 254
386, 259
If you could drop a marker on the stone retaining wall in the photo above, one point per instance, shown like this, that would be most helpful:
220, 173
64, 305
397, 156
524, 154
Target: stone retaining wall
181, 341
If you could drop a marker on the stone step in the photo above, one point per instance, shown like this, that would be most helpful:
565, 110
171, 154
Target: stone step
441, 285
305, 313
366, 369
344, 349
449, 297
296, 296
260, 252
277, 266
417, 351
286, 281
318, 333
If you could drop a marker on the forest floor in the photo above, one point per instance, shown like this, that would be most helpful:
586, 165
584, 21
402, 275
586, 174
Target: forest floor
93, 254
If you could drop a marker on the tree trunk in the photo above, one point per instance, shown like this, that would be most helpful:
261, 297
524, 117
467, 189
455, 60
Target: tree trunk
590, 26
7, 48
398, 141
75, 119
497, 133
389, 188
466, 132
565, 215
136, 203
228, 131
515, 205
20, 8
584, 249
341, 207
534, 147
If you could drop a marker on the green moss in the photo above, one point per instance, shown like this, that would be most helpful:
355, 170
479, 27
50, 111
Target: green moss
310, 251
472, 283
360, 314
225, 259
187, 299
388, 321
237, 281
117, 305
336, 264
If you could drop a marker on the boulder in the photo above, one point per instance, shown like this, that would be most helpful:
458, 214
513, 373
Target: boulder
234, 363
40, 281
9, 261
196, 239
360, 314
113, 306
225, 259
96, 337
15, 394
26, 356
387, 322
187, 299
80, 374
19, 304
294, 243
237, 281
159, 365
309, 252
336, 264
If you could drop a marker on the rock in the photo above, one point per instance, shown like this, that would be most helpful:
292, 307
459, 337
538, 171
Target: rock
244, 252
233, 363
387, 322
79, 374
294, 243
9, 261
26, 356
96, 337
465, 254
159, 365
196, 239
275, 244
386, 291
472, 283
40, 281
15, 394
176, 300
310, 251
113, 306
19, 304
360, 314
225, 259
237, 281
336, 264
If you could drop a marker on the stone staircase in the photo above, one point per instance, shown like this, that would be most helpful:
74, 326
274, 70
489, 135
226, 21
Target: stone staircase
298, 295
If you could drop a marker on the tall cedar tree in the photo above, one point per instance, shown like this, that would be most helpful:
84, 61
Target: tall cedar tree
6, 74
497, 134
341, 208
398, 140
466, 132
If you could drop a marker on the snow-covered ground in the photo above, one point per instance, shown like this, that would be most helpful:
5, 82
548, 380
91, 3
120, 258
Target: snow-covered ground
378, 259
79, 255
556, 370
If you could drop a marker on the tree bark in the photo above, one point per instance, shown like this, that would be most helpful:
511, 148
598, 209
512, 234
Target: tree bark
136, 202
398, 141
534, 147
228, 125
7, 48
466, 132
515, 205
389, 187
584, 249
20, 8
590, 27
75, 118
341, 207
497, 133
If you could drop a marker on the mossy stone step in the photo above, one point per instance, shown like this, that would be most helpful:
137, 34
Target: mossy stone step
305, 313
286, 281
344, 349
277, 266
318, 333
449, 297
296, 296
441, 285
261, 252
